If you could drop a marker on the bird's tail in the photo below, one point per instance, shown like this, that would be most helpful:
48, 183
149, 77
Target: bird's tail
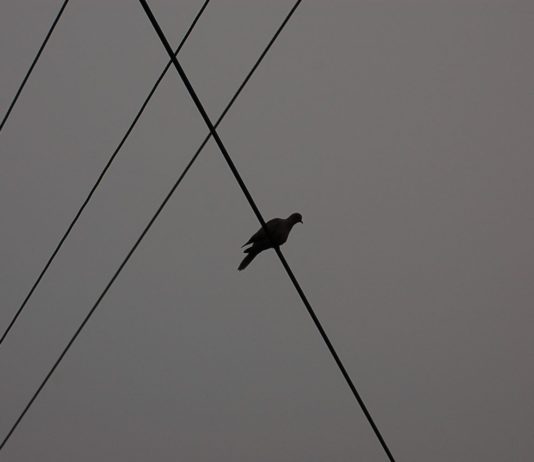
251, 253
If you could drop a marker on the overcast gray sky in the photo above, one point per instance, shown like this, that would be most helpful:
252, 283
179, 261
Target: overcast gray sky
402, 130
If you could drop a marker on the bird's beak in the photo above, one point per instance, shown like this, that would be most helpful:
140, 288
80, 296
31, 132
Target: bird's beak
300, 221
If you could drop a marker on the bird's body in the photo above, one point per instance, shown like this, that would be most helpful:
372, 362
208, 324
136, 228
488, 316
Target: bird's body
278, 230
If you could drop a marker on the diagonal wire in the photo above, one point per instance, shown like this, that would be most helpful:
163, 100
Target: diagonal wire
262, 221
147, 227
34, 62
100, 177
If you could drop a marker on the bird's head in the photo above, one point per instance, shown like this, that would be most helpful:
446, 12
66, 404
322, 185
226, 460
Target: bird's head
296, 218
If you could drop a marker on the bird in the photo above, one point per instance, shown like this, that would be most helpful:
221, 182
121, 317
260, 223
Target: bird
278, 229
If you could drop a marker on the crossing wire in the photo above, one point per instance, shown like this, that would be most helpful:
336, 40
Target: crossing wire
247, 194
99, 179
148, 226
34, 62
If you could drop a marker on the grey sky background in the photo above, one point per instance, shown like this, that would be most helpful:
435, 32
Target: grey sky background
401, 130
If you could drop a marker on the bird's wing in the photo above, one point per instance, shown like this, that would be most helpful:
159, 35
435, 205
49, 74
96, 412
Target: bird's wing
272, 225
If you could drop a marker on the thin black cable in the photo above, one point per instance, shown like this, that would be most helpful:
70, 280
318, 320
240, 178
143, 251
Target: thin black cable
100, 177
262, 221
148, 226
26, 77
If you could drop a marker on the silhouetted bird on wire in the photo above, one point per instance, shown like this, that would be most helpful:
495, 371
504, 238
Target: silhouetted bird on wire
278, 228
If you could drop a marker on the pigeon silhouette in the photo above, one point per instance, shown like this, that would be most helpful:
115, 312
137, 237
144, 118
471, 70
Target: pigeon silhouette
278, 229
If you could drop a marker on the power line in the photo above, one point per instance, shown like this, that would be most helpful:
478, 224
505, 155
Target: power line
262, 221
148, 226
34, 62
100, 177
